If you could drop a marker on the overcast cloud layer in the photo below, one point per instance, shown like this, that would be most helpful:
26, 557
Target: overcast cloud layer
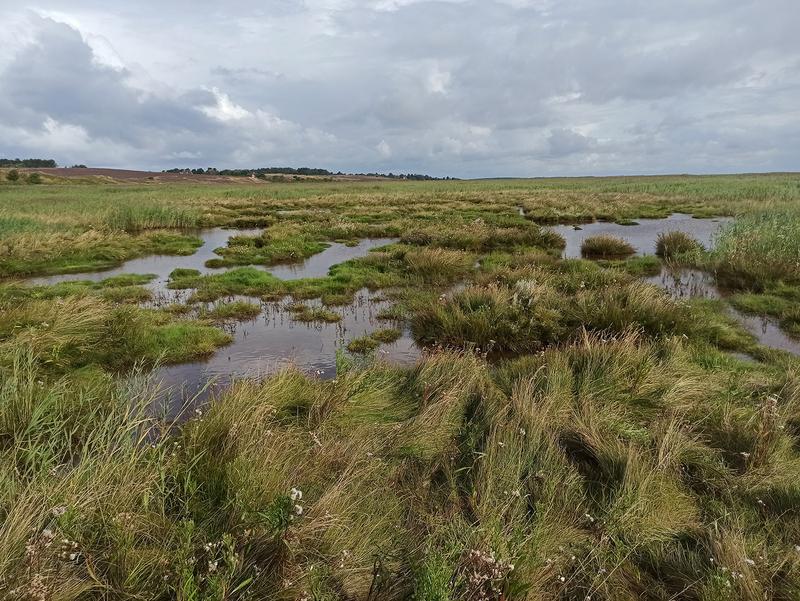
468, 88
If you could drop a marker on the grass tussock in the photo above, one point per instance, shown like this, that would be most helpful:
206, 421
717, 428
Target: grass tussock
670, 245
546, 309
370, 342
232, 311
307, 313
603, 442
605, 246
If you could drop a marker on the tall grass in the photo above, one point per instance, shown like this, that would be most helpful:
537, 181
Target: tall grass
545, 309
151, 216
759, 249
608, 449
613, 467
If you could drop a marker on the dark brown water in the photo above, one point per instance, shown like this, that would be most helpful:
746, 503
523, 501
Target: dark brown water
643, 235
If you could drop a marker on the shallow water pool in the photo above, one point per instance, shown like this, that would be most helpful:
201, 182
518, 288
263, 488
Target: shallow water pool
641, 236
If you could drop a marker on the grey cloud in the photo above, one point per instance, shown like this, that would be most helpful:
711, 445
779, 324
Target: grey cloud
466, 88
564, 142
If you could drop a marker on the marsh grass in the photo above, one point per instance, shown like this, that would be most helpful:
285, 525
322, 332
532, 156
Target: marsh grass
151, 216
232, 311
759, 249
308, 313
608, 467
370, 342
283, 243
605, 246
610, 447
671, 245
37, 252
75, 332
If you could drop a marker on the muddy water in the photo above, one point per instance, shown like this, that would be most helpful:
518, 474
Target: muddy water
643, 235
274, 340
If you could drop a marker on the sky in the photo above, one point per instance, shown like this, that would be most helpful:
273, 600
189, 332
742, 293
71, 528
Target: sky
465, 88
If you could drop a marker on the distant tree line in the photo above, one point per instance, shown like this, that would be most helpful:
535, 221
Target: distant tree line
414, 176
29, 163
262, 172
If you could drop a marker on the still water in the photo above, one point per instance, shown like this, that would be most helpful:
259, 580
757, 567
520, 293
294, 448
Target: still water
643, 235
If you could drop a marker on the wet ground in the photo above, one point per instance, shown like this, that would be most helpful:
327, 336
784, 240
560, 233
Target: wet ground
643, 235
691, 283
682, 283
274, 339
161, 266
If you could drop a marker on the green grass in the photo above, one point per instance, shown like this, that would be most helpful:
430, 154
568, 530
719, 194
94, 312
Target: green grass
276, 245
78, 331
35, 252
121, 288
759, 249
620, 464
231, 311
370, 342
153, 216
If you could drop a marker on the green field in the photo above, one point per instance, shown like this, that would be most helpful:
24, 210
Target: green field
571, 432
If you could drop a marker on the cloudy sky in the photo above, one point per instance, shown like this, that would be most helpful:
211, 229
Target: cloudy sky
468, 88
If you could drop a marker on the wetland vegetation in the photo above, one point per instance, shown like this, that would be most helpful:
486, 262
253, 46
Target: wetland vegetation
565, 429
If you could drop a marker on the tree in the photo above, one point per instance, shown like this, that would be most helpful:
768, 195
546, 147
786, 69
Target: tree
35, 178
12, 175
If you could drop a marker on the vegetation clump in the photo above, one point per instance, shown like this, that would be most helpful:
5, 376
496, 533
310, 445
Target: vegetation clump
605, 246
308, 313
369, 342
670, 245
232, 311
615, 442
759, 249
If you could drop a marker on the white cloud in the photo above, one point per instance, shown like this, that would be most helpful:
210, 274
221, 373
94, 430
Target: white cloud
224, 109
384, 150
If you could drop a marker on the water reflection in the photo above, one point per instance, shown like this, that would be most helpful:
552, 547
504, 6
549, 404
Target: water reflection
692, 283
642, 236
162, 265
274, 340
